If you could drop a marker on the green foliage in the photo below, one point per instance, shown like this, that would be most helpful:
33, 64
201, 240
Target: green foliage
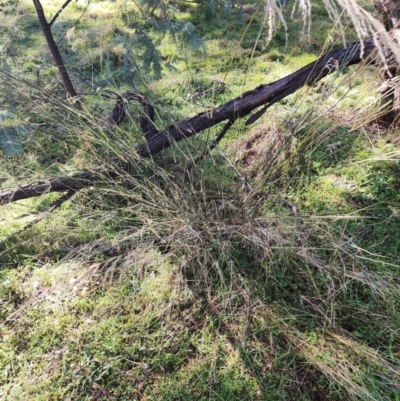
212, 11
9, 6
190, 38
11, 135
151, 55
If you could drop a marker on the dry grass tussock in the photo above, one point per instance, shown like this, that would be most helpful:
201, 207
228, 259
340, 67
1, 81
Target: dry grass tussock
230, 256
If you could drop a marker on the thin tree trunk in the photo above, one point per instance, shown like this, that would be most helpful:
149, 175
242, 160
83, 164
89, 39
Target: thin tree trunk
51, 43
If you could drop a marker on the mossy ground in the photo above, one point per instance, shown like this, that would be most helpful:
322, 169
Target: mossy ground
171, 288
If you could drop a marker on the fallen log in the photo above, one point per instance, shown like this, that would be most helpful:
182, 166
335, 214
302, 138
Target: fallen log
264, 95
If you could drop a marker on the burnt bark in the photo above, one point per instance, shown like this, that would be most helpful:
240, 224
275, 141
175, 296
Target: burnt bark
74, 183
264, 95
119, 112
55, 52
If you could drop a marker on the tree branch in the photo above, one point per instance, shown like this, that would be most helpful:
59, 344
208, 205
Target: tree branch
57, 14
147, 121
119, 112
45, 214
74, 183
75, 23
263, 95
212, 146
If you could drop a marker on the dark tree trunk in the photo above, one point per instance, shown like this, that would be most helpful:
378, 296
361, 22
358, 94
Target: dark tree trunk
264, 95
389, 14
51, 43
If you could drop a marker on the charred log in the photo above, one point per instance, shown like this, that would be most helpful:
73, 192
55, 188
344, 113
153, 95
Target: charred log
263, 96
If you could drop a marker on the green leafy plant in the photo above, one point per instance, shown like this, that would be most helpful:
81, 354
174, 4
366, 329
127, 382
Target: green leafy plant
11, 134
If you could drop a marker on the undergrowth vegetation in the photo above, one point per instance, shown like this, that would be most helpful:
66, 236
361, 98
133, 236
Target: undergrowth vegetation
270, 271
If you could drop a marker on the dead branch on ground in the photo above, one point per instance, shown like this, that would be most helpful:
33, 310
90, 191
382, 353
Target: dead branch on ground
263, 96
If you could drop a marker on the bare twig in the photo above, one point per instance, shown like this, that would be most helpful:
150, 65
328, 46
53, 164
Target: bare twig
212, 146
246, 187
22, 16
76, 22
254, 117
57, 14
290, 204
147, 121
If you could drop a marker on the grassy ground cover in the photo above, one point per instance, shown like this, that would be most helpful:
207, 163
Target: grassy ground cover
159, 286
